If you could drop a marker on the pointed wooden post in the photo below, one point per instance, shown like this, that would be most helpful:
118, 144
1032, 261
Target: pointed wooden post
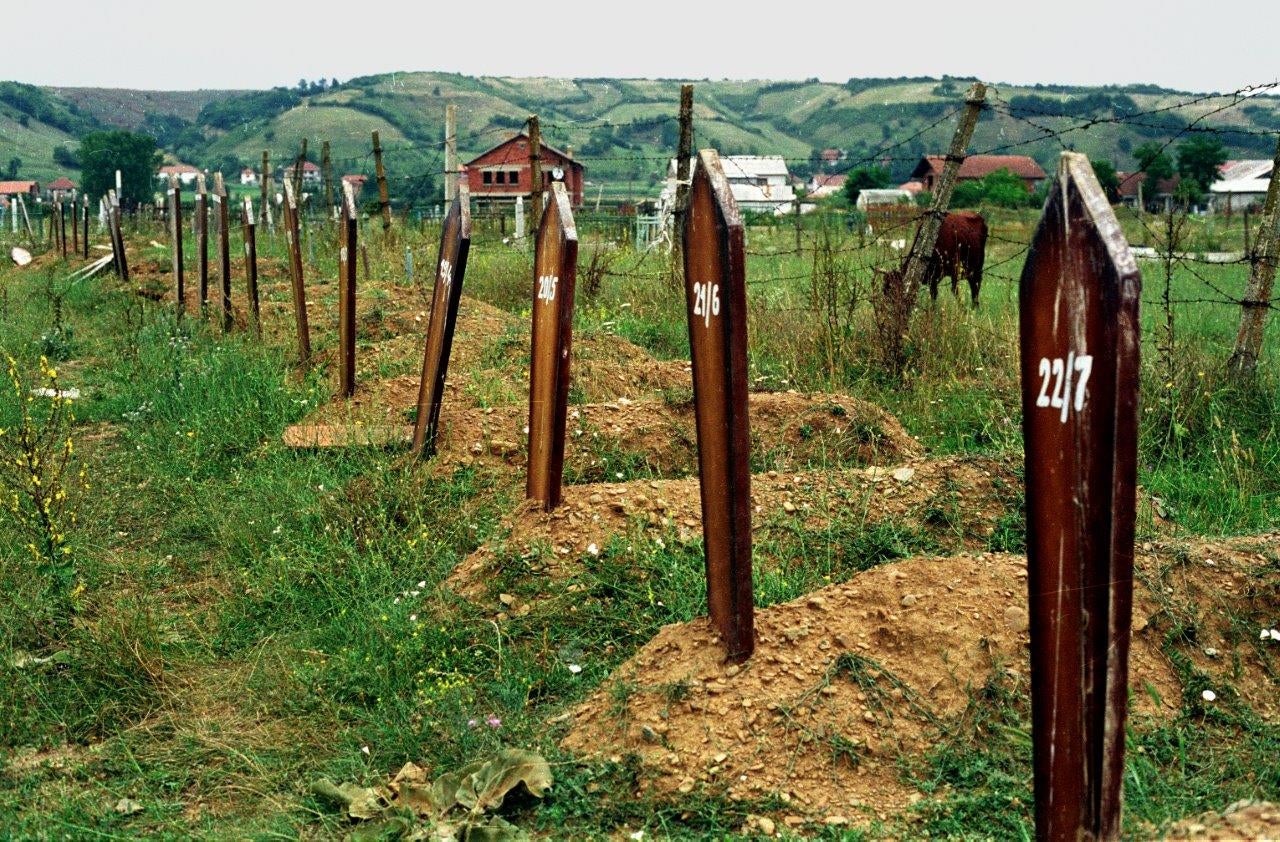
1079, 322
84, 218
716, 298
380, 172
202, 242
347, 294
295, 274
555, 271
75, 224
451, 265
224, 248
175, 234
251, 263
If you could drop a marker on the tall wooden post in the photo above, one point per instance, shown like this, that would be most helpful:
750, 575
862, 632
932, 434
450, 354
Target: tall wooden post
251, 263
347, 294
202, 242
175, 235
451, 266
684, 155
264, 184
326, 167
450, 152
555, 272
117, 234
1078, 303
298, 169
1256, 301
535, 173
75, 224
295, 274
384, 198
716, 299
84, 218
224, 248
62, 227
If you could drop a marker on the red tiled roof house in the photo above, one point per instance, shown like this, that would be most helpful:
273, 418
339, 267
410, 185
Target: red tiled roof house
505, 172
929, 170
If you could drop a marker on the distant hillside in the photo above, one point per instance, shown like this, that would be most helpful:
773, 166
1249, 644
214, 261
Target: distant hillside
624, 129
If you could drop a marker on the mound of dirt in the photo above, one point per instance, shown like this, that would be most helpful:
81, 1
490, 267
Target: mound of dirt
958, 499
849, 677
1255, 820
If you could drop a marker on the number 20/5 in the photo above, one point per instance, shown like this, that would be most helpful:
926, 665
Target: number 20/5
1060, 373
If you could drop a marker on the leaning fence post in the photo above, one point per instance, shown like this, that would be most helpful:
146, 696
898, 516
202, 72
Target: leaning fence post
555, 265
224, 248
290, 212
251, 263
347, 294
1078, 305
175, 228
716, 299
117, 235
451, 265
202, 242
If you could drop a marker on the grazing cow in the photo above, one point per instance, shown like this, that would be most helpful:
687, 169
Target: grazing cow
960, 250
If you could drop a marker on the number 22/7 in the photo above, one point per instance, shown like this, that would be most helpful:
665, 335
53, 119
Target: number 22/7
1062, 372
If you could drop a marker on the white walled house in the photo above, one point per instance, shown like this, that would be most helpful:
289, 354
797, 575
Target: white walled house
759, 183
185, 172
248, 176
1240, 185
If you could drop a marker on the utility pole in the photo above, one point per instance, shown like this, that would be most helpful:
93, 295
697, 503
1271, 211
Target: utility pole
535, 169
326, 165
450, 152
684, 155
384, 199
1262, 274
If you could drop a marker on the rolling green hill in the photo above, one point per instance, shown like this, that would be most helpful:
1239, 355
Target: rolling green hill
624, 129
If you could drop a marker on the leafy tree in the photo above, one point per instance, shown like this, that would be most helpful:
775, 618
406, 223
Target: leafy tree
865, 178
14, 165
1001, 188
1107, 178
135, 155
1199, 159
1155, 162
65, 157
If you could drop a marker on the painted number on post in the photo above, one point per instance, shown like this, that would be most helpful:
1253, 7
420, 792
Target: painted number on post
706, 301
446, 274
1057, 376
547, 287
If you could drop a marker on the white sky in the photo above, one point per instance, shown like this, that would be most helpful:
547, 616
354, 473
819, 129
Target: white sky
184, 44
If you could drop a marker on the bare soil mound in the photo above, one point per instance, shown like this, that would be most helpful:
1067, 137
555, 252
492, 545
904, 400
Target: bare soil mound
850, 677
959, 501
1254, 820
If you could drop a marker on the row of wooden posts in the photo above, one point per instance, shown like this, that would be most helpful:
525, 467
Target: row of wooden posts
1079, 297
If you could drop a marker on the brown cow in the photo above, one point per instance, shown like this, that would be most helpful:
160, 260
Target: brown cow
960, 250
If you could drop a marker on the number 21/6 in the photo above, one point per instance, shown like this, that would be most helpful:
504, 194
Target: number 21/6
706, 301
1060, 373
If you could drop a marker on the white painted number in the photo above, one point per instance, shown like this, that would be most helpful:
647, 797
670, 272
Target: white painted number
446, 274
547, 287
1062, 372
706, 301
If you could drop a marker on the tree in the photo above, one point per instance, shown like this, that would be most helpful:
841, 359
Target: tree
1199, 159
865, 178
14, 165
1155, 162
1107, 179
134, 155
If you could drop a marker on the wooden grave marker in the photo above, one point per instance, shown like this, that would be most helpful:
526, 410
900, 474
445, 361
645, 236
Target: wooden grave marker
716, 300
1079, 340
451, 265
555, 266
295, 273
224, 248
175, 234
251, 262
350, 227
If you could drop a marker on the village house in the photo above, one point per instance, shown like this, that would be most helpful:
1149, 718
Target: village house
826, 184
310, 173
1240, 185
185, 173
30, 189
759, 183
248, 176
506, 172
974, 167
356, 182
62, 185
1134, 191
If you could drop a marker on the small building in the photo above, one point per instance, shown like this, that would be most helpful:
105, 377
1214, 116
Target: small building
832, 156
1240, 185
826, 184
310, 173
974, 167
356, 182
30, 189
880, 197
185, 173
915, 188
248, 175
1134, 192
760, 183
506, 171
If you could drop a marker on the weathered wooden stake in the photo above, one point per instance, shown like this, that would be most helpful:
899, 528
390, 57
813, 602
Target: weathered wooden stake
251, 263
295, 274
264, 182
684, 154
202, 242
175, 234
1079, 323
384, 199
451, 265
326, 170
716, 299
117, 235
75, 224
224, 248
535, 173
62, 228
555, 272
450, 152
84, 243
347, 294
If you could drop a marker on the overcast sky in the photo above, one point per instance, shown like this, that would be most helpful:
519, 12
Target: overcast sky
184, 44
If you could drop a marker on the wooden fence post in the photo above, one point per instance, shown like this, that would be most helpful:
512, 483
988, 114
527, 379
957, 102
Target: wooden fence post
716, 299
117, 235
224, 248
450, 152
75, 224
555, 265
84, 243
1256, 303
535, 173
384, 199
1078, 305
326, 170
251, 263
347, 294
175, 235
295, 274
264, 183
451, 265
202, 242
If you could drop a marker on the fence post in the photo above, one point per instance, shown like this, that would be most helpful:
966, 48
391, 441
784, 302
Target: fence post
117, 236
75, 224
224, 248
716, 299
347, 294
326, 167
1078, 303
1256, 301
451, 266
84, 218
251, 263
450, 152
290, 211
384, 199
175, 234
535, 173
555, 265
202, 242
